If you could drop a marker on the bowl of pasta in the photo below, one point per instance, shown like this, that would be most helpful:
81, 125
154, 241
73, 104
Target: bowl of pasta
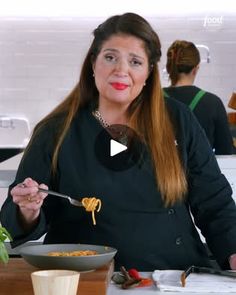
80, 257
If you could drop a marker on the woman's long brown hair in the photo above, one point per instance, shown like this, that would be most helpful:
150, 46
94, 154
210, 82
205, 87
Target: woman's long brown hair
148, 113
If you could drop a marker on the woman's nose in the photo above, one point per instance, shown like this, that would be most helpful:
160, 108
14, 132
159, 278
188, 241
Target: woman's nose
122, 67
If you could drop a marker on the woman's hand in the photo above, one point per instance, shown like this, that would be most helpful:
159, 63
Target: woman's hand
232, 261
29, 200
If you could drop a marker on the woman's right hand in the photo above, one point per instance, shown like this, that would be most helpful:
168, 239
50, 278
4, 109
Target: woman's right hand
29, 200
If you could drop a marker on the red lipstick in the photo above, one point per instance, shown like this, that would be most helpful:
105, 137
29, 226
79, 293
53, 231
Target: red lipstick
119, 86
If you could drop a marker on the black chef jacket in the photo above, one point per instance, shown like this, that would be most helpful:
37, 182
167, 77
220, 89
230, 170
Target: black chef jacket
133, 218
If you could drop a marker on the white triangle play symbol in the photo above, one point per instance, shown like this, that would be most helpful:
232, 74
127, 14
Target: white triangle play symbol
116, 147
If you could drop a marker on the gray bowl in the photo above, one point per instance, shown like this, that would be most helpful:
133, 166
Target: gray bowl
37, 255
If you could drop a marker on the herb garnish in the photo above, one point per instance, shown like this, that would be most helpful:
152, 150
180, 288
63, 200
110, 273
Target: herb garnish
4, 234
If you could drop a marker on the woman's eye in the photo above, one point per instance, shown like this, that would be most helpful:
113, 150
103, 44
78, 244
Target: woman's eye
135, 62
109, 57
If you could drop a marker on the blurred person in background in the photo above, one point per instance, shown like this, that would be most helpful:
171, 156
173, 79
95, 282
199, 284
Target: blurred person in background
182, 65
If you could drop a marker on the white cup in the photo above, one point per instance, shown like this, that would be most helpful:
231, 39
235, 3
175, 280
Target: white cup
55, 282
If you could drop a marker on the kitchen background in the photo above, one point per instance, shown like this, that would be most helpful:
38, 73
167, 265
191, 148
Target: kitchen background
41, 54
41, 57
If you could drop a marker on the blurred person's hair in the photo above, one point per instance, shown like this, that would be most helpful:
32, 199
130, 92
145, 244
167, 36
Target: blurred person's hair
182, 57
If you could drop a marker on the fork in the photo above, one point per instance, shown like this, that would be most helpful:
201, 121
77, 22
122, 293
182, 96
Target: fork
72, 201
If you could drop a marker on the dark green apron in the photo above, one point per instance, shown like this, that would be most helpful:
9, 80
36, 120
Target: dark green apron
195, 100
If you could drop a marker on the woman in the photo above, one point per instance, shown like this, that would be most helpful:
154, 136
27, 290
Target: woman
145, 209
182, 65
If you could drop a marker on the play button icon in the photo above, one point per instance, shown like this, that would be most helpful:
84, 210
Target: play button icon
116, 147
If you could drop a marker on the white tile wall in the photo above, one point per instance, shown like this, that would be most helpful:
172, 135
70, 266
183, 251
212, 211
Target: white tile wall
40, 58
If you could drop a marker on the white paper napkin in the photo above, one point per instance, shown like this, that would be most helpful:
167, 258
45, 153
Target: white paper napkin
169, 280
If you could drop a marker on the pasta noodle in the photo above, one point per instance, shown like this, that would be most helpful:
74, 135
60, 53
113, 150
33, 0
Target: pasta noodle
73, 253
92, 204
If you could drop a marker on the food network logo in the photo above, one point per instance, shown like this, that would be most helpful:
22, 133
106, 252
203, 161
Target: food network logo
213, 21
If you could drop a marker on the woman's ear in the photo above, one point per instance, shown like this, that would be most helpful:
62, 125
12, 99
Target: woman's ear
195, 70
93, 67
150, 68
149, 72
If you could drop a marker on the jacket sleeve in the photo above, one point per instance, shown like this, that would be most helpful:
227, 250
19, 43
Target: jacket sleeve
35, 163
223, 141
210, 196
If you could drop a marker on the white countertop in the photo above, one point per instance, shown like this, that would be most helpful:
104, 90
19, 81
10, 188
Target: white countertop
116, 290
6, 177
8, 170
113, 290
